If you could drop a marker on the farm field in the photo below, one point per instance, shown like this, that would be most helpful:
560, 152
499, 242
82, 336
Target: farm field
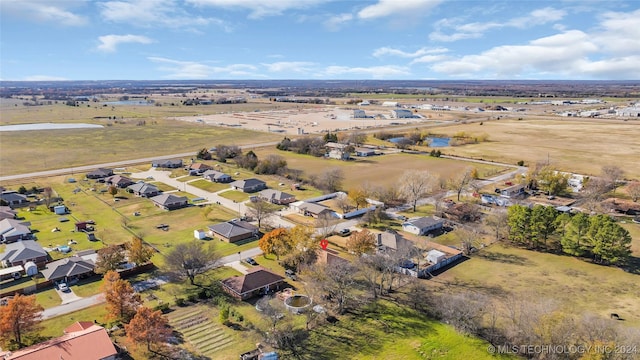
574, 145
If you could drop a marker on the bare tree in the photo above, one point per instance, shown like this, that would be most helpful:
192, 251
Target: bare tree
461, 181
337, 282
47, 194
416, 184
612, 174
634, 190
469, 239
261, 210
187, 260
498, 222
331, 179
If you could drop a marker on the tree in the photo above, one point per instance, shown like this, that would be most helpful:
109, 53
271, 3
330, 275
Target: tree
337, 281
468, 239
276, 242
553, 182
574, 240
47, 194
612, 174
303, 246
248, 160
519, 224
122, 300
542, 223
109, 258
261, 210
361, 242
148, 326
203, 154
331, 179
609, 242
20, 316
498, 222
138, 252
112, 190
460, 182
634, 190
415, 184
359, 197
187, 260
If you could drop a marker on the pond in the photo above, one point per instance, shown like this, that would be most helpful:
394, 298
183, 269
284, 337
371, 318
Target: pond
48, 126
432, 141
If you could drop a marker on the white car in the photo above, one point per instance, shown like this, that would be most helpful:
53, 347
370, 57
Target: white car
63, 287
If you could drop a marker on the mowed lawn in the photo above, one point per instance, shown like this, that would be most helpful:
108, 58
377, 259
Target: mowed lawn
580, 146
383, 170
578, 286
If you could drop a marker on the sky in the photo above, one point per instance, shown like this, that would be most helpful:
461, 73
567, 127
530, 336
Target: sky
42, 40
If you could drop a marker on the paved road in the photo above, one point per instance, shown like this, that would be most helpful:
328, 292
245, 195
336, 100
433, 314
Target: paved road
73, 306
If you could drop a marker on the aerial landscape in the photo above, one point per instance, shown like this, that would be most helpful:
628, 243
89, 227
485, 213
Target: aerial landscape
374, 179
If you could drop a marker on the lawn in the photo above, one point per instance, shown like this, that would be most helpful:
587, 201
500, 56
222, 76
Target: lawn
235, 195
209, 186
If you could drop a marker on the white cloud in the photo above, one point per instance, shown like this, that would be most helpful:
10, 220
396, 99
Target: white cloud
290, 66
108, 43
260, 8
386, 8
178, 69
619, 33
44, 78
153, 13
334, 23
476, 30
45, 11
375, 72
387, 51
429, 59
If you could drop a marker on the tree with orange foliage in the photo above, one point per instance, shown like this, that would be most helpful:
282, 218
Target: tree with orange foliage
138, 252
277, 242
148, 326
21, 315
359, 197
361, 242
122, 300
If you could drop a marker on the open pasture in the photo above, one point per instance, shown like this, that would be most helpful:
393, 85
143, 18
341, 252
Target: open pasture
580, 146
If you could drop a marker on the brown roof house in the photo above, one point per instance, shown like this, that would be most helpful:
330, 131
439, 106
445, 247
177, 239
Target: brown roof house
21, 252
217, 176
170, 201
233, 230
119, 181
276, 197
257, 281
81, 341
199, 168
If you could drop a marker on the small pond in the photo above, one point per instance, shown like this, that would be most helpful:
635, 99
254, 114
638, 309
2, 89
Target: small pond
432, 141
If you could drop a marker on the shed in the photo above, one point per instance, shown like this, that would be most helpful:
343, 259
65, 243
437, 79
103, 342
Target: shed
435, 256
31, 268
60, 209
199, 234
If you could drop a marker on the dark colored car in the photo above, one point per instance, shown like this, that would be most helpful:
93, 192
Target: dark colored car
344, 232
251, 261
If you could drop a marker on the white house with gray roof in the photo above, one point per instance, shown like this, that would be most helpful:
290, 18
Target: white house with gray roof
422, 225
277, 197
12, 230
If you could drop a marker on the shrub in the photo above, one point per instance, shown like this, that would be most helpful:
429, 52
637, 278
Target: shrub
192, 298
164, 308
180, 302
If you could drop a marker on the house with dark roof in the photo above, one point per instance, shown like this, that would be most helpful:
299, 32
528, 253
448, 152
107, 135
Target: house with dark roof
257, 281
21, 252
310, 209
217, 176
392, 241
249, 185
170, 201
364, 152
100, 173
143, 189
12, 230
233, 230
119, 181
70, 268
7, 212
422, 225
276, 197
13, 199
167, 163
83, 340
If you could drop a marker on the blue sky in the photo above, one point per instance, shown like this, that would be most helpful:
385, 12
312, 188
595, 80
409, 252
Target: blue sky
319, 39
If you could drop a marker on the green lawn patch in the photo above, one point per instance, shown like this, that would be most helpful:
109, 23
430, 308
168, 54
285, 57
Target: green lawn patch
48, 298
208, 185
237, 196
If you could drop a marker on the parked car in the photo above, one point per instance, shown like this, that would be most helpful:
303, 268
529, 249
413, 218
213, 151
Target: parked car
290, 274
344, 232
63, 287
251, 261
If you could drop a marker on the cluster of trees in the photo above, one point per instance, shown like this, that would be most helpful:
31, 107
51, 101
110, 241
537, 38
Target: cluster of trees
111, 257
19, 318
297, 246
597, 237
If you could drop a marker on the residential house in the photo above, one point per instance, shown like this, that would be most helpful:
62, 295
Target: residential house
329, 257
143, 189
422, 225
21, 252
277, 197
233, 230
257, 281
119, 181
364, 152
310, 209
83, 340
167, 163
199, 168
67, 269
217, 176
438, 257
249, 185
513, 191
13, 230
7, 212
13, 199
100, 173
392, 241
464, 212
170, 201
